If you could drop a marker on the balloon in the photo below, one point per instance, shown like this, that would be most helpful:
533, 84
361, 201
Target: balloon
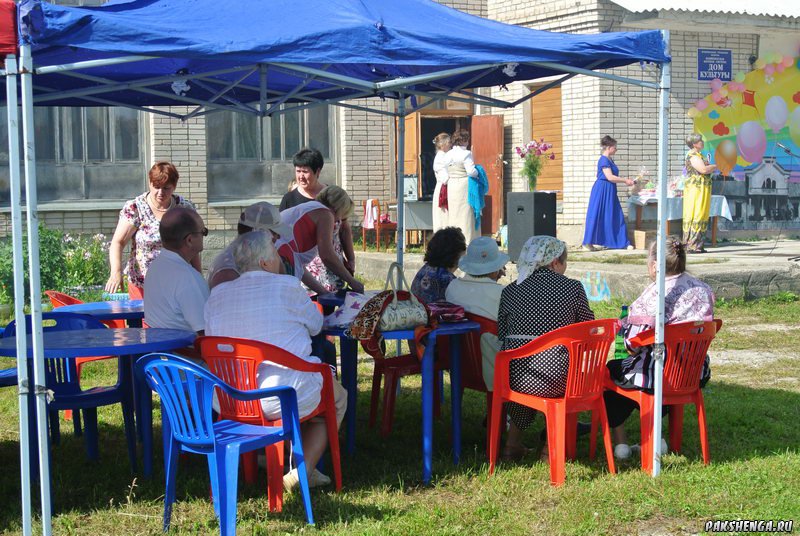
725, 157
716, 84
693, 112
776, 113
780, 68
794, 126
760, 63
751, 141
716, 96
723, 91
769, 69
788, 61
739, 77
701, 105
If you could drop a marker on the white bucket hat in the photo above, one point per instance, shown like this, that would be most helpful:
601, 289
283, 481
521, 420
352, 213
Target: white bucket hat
265, 216
483, 257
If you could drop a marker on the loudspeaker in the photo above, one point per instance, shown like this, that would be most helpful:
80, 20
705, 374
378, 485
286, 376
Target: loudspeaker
529, 214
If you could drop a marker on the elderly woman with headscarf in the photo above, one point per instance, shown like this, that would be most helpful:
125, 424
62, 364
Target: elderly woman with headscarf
686, 299
541, 300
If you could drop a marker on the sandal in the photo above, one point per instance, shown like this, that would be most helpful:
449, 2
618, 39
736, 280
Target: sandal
514, 454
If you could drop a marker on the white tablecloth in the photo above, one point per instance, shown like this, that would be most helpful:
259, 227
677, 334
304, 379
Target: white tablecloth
719, 207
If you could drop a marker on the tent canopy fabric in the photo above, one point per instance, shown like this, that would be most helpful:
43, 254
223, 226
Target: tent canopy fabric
247, 50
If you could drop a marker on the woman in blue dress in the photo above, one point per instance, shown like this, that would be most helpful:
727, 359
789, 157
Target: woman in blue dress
605, 221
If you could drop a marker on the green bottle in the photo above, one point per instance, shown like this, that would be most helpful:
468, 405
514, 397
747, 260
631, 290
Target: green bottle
619, 342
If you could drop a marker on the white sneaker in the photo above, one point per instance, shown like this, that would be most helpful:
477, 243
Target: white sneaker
630, 247
291, 480
588, 247
622, 451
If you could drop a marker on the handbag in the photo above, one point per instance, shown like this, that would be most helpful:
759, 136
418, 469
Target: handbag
444, 311
390, 310
443, 197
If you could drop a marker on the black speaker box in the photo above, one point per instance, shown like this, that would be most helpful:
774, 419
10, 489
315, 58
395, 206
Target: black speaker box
529, 214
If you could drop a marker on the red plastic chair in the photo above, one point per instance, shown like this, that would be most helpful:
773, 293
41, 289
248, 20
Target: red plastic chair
394, 368
472, 364
59, 299
236, 361
588, 344
378, 226
686, 349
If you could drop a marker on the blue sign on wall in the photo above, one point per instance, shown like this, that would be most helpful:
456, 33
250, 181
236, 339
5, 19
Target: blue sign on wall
714, 63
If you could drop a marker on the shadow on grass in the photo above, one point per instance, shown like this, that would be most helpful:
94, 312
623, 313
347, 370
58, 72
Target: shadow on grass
744, 424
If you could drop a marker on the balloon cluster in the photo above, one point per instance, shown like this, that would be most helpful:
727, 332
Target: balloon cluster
773, 62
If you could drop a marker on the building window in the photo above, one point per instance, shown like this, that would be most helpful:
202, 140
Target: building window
82, 153
258, 151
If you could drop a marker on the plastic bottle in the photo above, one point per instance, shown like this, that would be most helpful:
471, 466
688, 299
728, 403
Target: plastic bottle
619, 342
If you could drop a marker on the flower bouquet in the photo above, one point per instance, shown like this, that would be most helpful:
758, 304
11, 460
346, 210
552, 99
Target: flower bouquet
534, 154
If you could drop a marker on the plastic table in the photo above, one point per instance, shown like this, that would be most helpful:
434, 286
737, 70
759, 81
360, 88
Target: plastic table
719, 208
123, 342
131, 311
349, 356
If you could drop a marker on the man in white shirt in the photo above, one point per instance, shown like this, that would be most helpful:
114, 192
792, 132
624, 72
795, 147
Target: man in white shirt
174, 291
478, 292
264, 305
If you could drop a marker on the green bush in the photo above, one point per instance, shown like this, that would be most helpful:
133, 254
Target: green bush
52, 263
86, 261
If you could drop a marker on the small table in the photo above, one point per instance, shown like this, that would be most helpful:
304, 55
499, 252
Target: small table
674, 206
330, 299
349, 355
123, 342
131, 311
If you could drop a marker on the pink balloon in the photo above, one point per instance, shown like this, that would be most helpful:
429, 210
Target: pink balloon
780, 67
701, 105
788, 61
752, 142
716, 84
716, 96
769, 69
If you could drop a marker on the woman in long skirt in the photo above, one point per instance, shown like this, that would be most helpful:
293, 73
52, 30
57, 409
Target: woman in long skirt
605, 221
696, 195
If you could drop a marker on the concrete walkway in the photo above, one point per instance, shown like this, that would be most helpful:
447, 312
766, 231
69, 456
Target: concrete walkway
733, 269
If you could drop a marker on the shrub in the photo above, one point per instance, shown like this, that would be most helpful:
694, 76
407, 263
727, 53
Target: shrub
86, 261
52, 265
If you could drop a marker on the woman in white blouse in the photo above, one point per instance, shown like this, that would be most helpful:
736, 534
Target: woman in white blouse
440, 163
459, 170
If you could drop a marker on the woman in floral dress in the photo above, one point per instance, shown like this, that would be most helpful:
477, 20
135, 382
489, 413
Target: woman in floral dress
696, 195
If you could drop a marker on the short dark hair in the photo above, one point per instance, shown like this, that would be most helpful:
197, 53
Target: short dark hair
175, 225
445, 248
608, 141
308, 157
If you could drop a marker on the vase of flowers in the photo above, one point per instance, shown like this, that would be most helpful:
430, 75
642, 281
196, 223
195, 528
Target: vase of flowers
534, 155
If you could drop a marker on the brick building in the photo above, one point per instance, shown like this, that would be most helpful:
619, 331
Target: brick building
227, 162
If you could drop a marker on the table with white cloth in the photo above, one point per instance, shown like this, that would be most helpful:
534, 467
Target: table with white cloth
674, 210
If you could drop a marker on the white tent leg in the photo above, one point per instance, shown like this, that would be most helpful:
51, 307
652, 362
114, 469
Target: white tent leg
19, 288
661, 240
401, 155
36, 290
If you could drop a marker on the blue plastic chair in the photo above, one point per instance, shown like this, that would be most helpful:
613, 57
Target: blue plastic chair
62, 378
186, 392
8, 377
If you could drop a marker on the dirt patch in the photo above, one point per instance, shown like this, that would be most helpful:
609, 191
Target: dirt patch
763, 327
747, 358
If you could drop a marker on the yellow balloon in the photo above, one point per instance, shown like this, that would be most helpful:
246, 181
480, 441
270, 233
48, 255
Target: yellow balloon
739, 77
723, 91
760, 63
693, 112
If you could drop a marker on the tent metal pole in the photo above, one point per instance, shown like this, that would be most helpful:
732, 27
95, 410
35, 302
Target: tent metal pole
353, 82
50, 69
401, 155
19, 289
596, 74
400, 83
661, 240
36, 289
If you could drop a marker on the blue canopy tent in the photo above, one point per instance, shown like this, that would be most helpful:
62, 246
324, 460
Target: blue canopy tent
252, 57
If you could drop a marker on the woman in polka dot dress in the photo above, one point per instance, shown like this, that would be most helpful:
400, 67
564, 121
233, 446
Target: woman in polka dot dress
541, 300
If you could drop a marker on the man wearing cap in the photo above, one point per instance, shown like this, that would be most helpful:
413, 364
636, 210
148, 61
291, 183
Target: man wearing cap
478, 292
262, 216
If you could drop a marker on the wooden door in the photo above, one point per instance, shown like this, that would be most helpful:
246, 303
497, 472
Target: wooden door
487, 150
411, 147
546, 123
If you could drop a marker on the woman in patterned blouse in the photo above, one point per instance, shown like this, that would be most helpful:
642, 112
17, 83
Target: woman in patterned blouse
541, 300
139, 222
441, 259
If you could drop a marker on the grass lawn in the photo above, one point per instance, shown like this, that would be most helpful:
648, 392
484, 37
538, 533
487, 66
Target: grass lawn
753, 405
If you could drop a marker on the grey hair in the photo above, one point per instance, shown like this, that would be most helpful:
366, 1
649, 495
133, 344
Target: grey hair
693, 138
249, 249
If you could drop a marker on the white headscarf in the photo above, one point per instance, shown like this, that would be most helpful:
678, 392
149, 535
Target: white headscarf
538, 251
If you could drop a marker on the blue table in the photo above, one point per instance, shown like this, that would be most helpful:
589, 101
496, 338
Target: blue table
123, 342
130, 310
330, 300
349, 356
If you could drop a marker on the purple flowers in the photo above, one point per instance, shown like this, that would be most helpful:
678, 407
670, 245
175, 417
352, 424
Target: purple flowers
534, 154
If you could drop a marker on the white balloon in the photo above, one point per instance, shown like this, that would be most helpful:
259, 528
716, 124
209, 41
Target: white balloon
776, 113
